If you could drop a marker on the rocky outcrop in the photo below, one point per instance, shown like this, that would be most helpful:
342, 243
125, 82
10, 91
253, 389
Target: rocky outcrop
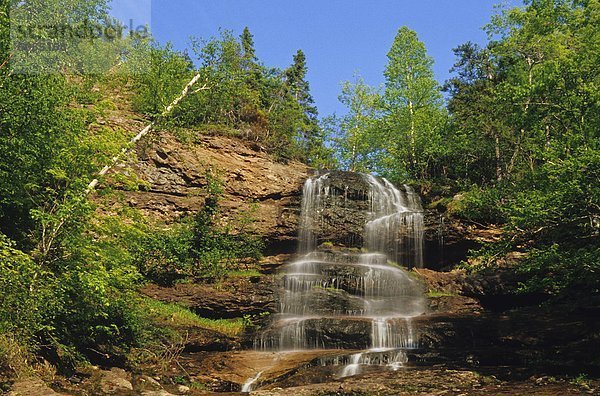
345, 210
556, 339
32, 387
497, 291
431, 381
173, 175
447, 240
235, 298
351, 333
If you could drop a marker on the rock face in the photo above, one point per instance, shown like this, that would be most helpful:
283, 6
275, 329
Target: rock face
236, 298
32, 387
447, 241
344, 213
347, 207
175, 174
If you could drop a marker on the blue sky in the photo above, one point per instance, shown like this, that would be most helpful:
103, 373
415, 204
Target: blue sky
339, 37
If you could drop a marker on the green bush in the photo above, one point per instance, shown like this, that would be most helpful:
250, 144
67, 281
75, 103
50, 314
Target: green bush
160, 74
235, 95
27, 293
557, 270
200, 247
479, 205
165, 255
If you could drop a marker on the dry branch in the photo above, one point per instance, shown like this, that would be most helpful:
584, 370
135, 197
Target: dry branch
146, 130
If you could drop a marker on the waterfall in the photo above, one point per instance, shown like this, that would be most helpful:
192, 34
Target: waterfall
353, 298
247, 387
396, 225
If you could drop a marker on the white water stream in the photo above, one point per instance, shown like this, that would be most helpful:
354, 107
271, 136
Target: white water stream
354, 299
248, 386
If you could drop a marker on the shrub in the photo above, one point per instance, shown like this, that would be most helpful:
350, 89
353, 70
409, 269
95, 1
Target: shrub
479, 205
26, 296
556, 269
200, 247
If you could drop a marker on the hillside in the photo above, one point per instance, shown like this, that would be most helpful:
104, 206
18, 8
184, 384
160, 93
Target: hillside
174, 174
181, 219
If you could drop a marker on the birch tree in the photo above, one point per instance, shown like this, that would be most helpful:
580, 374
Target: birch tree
412, 102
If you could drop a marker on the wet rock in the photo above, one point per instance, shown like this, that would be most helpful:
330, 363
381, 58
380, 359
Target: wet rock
345, 210
328, 333
325, 301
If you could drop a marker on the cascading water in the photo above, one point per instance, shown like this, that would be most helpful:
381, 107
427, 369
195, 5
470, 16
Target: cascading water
248, 386
351, 298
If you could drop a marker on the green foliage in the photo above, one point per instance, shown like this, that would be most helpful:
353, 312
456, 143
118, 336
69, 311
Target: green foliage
68, 275
480, 205
397, 131
201, 247
26, 296
82, 300
235, 91
528, 91
560, 200
181, 317
160, 73
414, 116
216, 247
356, 136
520, 138
561, 269
438, 294
529, 123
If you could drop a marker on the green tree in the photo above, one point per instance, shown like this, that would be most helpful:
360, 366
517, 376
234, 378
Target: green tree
532, 95
480, 135
299, 88
248, 51
160, 73
358, 140
412, 103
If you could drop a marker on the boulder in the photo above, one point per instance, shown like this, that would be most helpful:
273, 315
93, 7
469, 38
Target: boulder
115, 382
32, 387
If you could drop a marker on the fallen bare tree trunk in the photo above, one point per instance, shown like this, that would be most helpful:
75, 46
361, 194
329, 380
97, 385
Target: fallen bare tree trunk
50, 233
145, 131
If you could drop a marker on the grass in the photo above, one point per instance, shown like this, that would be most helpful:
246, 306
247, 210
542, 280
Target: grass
250, 273
17, 362
14, 358
178, 316
437, 293
582, 381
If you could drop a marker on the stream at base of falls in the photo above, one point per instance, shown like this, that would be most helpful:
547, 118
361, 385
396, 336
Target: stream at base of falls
359, 300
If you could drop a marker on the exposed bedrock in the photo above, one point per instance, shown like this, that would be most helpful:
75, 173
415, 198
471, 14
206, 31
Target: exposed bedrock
174, 174
254, 183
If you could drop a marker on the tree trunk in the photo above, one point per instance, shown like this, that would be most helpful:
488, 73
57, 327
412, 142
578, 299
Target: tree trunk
413, 139
498, 165
353, 161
